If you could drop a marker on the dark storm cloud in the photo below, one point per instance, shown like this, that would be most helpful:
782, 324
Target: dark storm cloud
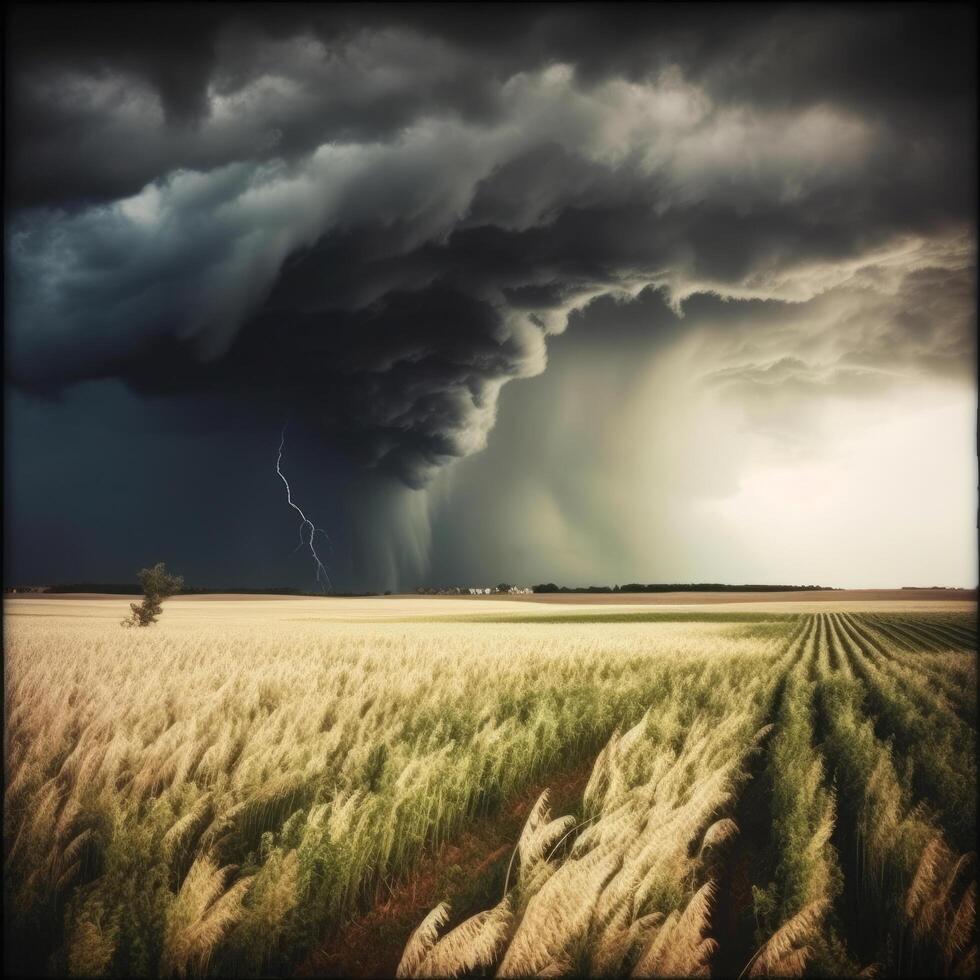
376, 216
437, 60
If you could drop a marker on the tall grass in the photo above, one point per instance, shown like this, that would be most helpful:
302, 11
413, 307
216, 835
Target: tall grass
939, 747
297, 766
220, 795
630, 887
950, 666
792, 910
889, 833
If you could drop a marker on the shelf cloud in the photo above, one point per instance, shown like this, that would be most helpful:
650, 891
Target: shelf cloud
379, 218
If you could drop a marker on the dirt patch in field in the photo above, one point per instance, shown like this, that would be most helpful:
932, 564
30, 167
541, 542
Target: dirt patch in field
468, 872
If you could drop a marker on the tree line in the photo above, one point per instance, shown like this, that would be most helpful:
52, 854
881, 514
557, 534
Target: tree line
680, 587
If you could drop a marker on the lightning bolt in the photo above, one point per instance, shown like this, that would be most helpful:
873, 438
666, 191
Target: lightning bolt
306, 525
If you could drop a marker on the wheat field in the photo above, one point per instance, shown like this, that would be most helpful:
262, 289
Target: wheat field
770, 791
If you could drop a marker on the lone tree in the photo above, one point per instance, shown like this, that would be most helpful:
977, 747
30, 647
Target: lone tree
157, 585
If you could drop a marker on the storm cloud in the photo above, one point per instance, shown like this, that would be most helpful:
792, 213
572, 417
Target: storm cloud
376, 218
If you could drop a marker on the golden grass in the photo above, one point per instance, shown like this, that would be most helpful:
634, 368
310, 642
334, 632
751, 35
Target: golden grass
214, 794
312, 760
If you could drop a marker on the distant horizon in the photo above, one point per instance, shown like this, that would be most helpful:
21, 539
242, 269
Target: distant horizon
539, 588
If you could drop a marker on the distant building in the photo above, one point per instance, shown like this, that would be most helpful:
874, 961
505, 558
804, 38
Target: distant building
472, 590
451, 590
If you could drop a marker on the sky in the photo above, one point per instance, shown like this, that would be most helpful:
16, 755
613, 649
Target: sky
554, 293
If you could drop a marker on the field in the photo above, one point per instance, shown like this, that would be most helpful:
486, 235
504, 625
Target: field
450, 787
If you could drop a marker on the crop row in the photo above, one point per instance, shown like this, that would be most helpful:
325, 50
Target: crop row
860, 869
